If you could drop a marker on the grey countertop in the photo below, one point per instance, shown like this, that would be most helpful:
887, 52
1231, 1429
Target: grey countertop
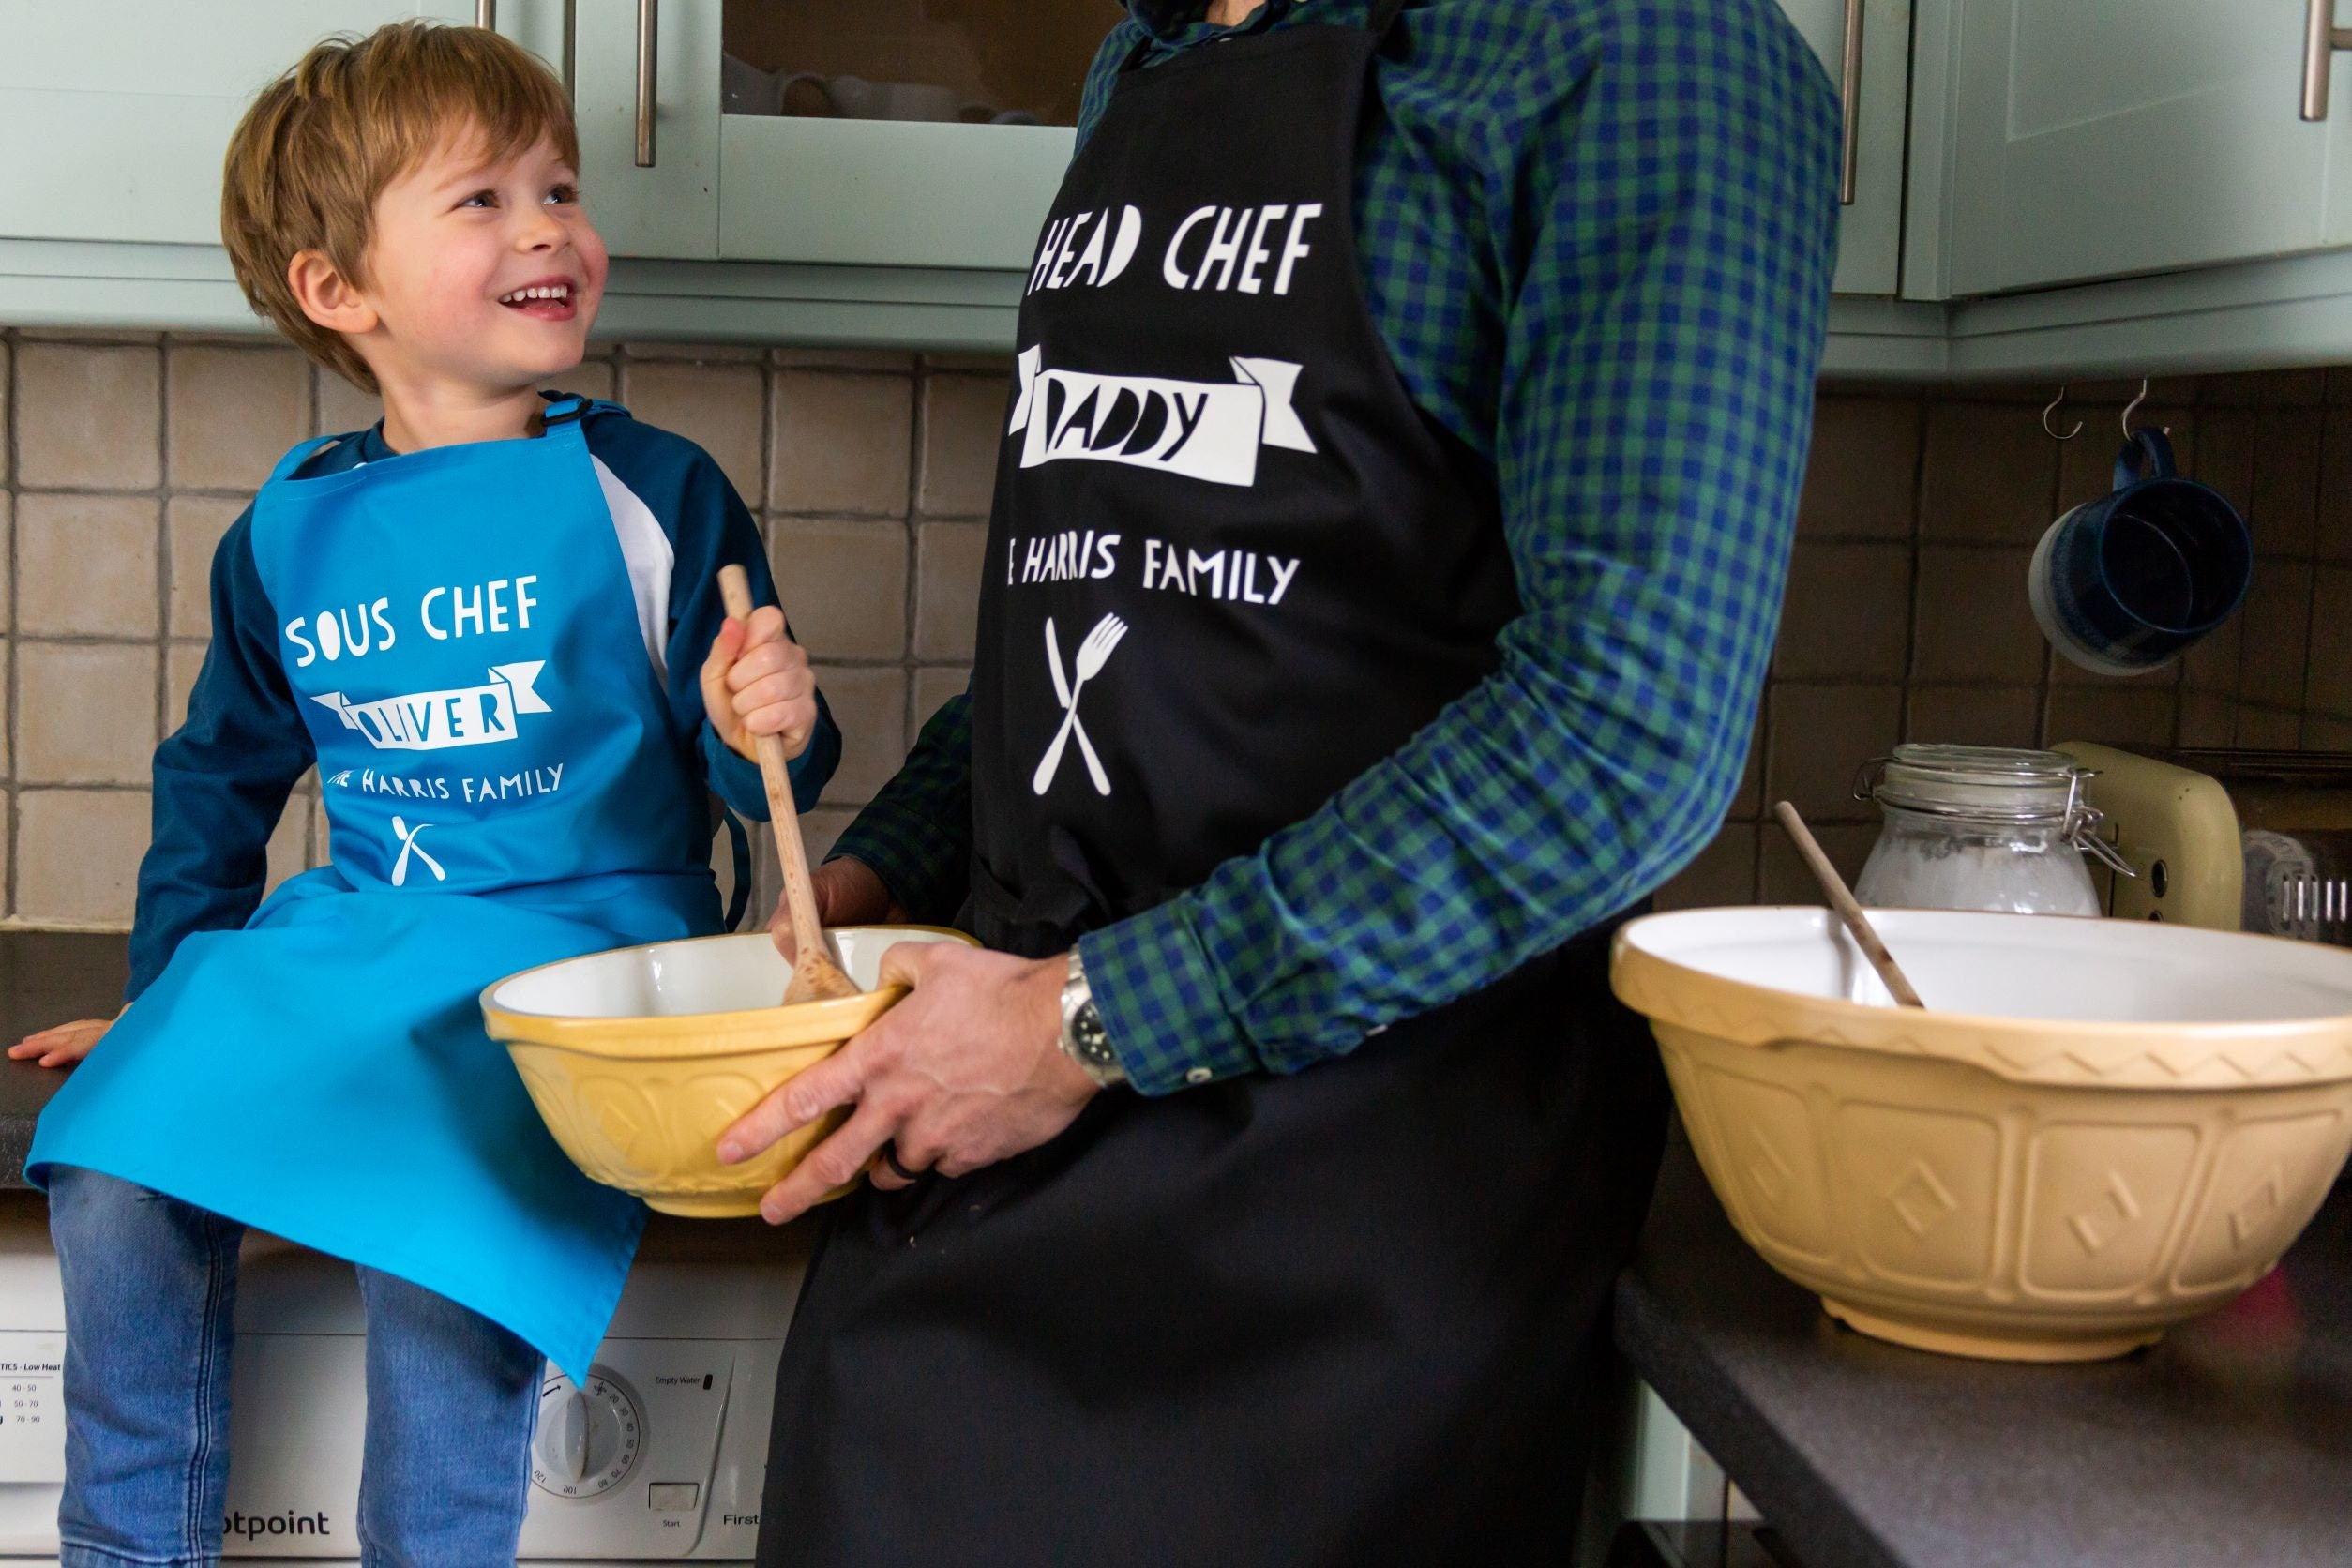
2230, 1441
48, 977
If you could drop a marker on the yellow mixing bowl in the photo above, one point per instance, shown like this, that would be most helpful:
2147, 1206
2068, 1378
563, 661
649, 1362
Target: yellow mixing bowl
637, 1059
2097, 1127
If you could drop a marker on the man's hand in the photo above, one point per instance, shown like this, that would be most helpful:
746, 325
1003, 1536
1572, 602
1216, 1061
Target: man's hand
63, 1045
967, 1071
848, 894
757, 682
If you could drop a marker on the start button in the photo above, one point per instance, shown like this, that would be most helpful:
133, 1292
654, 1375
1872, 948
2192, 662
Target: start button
673, 1497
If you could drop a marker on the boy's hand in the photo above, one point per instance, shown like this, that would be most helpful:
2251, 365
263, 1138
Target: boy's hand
757, 682
64, 1045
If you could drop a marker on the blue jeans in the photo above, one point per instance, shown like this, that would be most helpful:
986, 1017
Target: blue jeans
150, 1290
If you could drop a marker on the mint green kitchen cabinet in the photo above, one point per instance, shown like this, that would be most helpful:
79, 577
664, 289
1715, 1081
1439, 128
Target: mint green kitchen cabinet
2078, 139
1866, 45
115, 113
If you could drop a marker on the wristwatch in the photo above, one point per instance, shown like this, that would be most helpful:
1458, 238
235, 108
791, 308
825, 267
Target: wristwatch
1084, 1040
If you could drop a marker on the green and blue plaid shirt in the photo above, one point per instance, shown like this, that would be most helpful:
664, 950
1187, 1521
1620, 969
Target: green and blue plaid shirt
1597, 237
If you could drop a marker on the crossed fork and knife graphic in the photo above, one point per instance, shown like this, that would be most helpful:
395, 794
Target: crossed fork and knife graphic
1092, 655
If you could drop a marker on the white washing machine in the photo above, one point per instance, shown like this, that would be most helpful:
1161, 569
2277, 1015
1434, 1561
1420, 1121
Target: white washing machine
660, 1456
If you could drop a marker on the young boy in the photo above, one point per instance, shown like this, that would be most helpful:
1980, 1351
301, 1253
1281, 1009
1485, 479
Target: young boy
491, 623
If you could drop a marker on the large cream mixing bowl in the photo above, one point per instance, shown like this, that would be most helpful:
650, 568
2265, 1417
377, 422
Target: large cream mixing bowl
637, 1059
2098, 1129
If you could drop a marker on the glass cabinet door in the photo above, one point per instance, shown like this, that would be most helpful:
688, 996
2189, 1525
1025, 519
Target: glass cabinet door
926, 133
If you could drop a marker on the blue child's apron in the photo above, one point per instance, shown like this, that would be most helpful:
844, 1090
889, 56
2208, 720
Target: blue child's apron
503, 788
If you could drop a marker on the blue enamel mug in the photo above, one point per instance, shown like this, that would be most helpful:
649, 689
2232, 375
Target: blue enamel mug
2120, 585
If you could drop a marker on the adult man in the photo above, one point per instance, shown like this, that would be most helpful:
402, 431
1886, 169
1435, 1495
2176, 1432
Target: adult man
1386, 551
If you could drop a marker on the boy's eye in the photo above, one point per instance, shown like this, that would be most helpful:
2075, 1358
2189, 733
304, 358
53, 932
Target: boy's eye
480, 198
564, 194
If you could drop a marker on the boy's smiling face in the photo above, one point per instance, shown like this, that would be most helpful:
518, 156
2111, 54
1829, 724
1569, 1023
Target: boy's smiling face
484, 274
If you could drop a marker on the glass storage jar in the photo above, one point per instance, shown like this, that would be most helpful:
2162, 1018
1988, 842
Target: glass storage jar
1973, 827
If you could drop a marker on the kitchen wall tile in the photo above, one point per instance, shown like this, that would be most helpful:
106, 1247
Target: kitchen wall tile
1820, 736
89, 417
2278, 623
993, 364
231, 414
870, 705
8, 353
843, 359
85, 712
1975, 623
948, 588
342, 406
1992, 474
963, 426
716, 406
1848, 612
1724, 873
597, 378
698, 354
2270, 728
1862, 476
2328, 688
193, 526
1787, 880
2335, 486
842, 443
2247, 388
1975, 716
2284, 517
7, 552
86, 565
2326, 734
2225, 453
77, 855
2112, 716
844, 584
2208, 718
2339, 385
2178, 390
934, 684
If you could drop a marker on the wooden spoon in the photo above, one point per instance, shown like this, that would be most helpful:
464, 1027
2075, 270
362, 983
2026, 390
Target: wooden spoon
815, 976
1842, 900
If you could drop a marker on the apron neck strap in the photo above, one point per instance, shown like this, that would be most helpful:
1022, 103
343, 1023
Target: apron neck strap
301, 453
1384, 15
563, 411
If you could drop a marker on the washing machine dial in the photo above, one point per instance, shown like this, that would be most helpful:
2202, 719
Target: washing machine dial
588, 1437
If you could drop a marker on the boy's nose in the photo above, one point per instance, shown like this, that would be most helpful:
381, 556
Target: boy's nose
539, 231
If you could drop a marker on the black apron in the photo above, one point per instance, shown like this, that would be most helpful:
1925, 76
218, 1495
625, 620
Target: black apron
1349, 1316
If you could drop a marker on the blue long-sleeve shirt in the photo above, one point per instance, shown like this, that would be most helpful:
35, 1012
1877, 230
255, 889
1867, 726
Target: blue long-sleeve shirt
222, 779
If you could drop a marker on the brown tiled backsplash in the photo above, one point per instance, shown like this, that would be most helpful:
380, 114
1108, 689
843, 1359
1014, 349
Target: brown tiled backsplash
124, 457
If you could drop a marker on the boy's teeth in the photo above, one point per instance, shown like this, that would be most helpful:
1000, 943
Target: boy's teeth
544, 291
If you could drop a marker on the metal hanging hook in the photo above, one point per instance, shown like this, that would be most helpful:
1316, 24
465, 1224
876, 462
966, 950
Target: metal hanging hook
2132, 407
2046, 429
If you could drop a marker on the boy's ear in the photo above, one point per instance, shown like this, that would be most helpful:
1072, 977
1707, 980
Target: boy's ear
327, 296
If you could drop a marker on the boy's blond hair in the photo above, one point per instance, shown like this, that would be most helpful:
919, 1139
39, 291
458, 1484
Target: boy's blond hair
319, 144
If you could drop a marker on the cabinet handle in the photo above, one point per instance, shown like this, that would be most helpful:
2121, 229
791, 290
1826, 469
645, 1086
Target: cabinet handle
486, 15
1850, 84
2322, 38
648, 22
